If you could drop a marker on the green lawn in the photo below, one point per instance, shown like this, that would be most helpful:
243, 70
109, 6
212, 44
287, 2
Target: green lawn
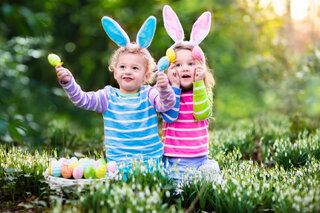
265, 166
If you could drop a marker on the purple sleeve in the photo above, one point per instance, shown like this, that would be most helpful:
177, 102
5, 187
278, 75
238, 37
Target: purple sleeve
162, 99
94, 101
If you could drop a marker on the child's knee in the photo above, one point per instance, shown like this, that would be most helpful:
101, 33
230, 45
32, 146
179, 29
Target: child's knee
211, 166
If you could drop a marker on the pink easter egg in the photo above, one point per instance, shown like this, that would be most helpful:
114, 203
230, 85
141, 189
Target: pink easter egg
77, 172
111, 166
196, 53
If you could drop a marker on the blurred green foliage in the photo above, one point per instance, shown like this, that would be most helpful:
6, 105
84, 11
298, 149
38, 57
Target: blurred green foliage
254, 68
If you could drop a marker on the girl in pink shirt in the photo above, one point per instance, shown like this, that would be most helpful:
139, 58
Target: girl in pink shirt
185, 127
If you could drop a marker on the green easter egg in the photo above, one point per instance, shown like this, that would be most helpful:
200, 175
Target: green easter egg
89, 173
103, 161
54, 60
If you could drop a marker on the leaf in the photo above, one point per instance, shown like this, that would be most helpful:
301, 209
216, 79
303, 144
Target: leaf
3, 127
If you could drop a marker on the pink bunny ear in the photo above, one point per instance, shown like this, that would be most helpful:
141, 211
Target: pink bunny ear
172, 24
200, 28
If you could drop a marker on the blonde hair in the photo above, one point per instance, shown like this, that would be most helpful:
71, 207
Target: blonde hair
208, 77
134, 49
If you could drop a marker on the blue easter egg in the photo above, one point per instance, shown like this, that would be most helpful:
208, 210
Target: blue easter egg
56, 169
163, 63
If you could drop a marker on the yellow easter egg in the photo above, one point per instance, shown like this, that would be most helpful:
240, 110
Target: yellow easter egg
74, 164
171, 55
101, 171
50, 167
54, 60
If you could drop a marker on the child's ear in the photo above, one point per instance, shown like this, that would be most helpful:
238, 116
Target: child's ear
114, 74
147, 76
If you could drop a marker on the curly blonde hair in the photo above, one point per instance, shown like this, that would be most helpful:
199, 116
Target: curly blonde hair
208, 78
134, 49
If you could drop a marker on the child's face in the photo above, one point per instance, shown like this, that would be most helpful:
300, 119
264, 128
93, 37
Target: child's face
131, 72
185, 65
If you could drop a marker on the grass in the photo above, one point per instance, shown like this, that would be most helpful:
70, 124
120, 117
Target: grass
265, 167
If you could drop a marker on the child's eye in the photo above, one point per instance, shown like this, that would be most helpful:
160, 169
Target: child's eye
135, 68
122, 67
191, 64
178, 65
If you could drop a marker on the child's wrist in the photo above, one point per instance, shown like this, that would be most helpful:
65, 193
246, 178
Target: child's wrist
175, 85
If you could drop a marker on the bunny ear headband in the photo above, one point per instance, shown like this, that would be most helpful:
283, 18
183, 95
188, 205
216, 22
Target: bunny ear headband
121, 38
200, 30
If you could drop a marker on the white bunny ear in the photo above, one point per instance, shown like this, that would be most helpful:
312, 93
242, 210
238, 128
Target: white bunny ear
146, 32
114, 31
172, 24
200, 28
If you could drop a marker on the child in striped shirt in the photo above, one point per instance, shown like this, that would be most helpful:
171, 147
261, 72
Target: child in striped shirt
185, 128
130, 112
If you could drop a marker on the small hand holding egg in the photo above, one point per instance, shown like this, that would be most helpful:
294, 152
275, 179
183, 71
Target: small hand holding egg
162, 80
64, 75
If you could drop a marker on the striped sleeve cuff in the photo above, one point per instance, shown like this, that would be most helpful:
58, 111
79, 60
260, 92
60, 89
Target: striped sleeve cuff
177, 91
199, 87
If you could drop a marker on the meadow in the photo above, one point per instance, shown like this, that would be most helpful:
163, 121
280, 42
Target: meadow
265, 167
264, 132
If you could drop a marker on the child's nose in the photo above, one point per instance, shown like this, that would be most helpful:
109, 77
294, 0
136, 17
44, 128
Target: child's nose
127, 71
184, 67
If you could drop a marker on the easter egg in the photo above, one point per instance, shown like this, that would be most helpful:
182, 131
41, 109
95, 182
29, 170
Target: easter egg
101, 171
74, 164
196, 53
50, 167
52, 159
73, 159
85, 163
103, 161
89, 173
96, 164
92, 162
163, 63
56, 169
171, 55
111, 166
63, 160
66, 171
81, 160
77, 172
54, 60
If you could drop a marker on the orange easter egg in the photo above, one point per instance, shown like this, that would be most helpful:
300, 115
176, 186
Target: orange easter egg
66, 171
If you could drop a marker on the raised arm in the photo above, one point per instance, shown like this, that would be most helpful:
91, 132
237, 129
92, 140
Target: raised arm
93, 101
172, 114
163, 99
202, 101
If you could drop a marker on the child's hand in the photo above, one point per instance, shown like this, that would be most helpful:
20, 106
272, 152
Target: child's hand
173, 77
162, 80
199, 73
64, 75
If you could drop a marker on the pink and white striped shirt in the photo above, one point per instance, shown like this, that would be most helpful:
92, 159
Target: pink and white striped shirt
187, 136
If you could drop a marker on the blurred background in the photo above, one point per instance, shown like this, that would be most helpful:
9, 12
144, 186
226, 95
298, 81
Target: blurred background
265, 57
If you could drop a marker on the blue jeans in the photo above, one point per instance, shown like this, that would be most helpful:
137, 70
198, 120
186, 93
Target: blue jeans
180, 168
150, 165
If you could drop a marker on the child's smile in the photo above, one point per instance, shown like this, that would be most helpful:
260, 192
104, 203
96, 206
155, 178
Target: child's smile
130, 72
